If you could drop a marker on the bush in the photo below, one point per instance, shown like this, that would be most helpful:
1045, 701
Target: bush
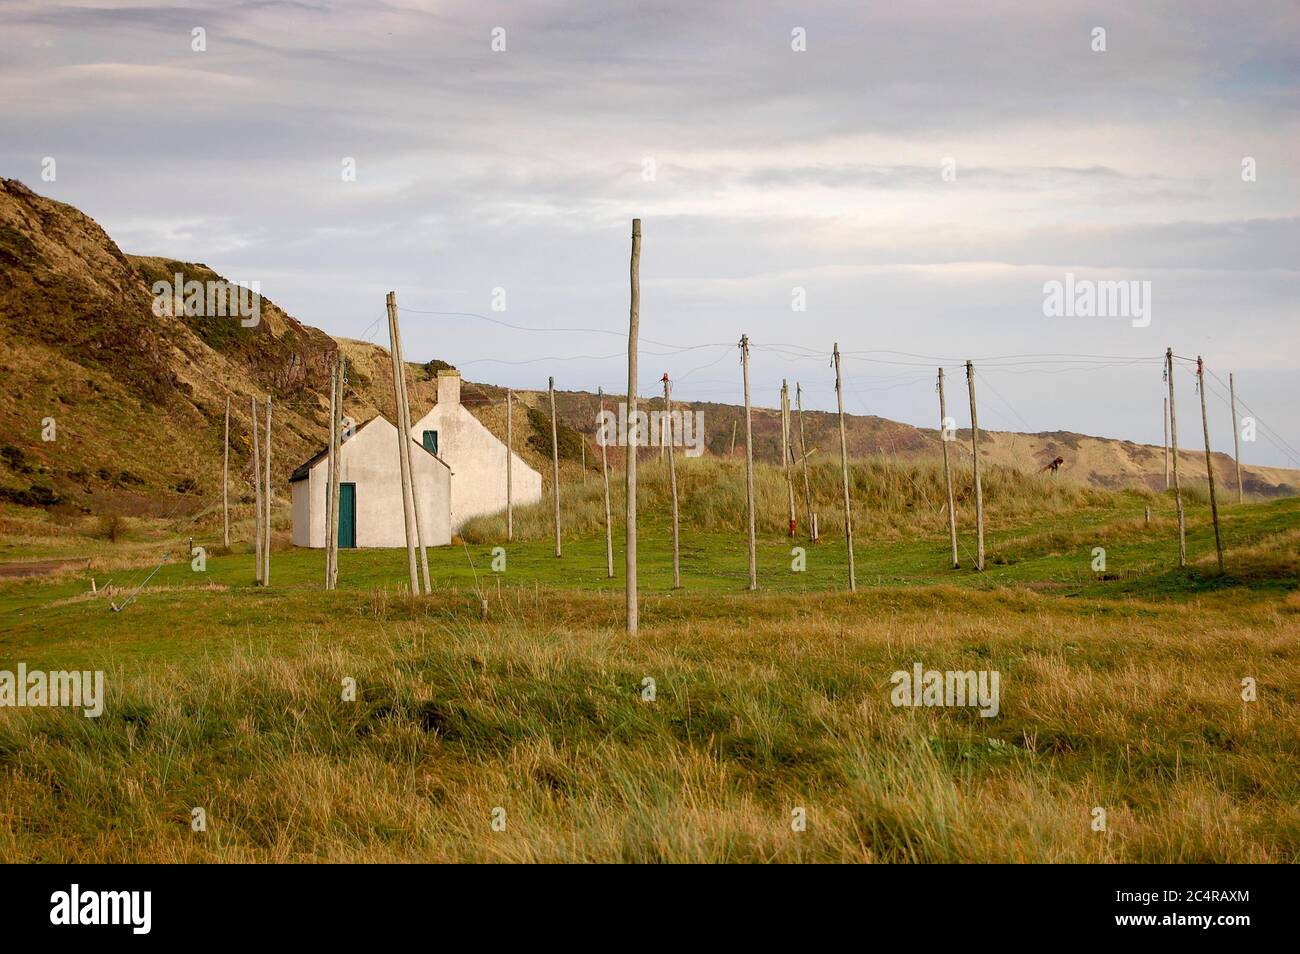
112, 527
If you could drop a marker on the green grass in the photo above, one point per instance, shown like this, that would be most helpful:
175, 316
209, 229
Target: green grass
1120, 691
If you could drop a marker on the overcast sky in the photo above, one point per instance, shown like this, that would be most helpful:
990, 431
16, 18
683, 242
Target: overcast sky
757, 169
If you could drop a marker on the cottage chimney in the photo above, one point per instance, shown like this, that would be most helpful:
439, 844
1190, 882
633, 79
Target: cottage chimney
449, 387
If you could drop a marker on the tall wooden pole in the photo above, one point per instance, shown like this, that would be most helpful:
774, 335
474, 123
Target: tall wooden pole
1209, 461
403, 437
331, 462
634, 328
947, 473
787, 452
225, 481
510, 455
803, 453
266, 549
1173, 447
749, 462
340, 385
1236, 438
257, 499
584, 460
604, 474
1166, 423
555, 466
406, 449
975, 456
672, 480
844, 469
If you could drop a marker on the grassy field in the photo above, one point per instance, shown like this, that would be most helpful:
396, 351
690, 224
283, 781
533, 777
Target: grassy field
1120, 690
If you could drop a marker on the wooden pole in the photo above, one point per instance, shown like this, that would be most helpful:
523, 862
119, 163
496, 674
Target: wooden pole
672, 480
604, 474
257, 500
341, 381
331, 461
403, 436
1209, 461
634, 327
225, 482
975, 456
510, 455
803, 453
1166, 423
1173, 447
947, 473
844, 468
584, 459
266, 549
787, 452
732, 452
555, 466
1236, 438
749, 462
406, 449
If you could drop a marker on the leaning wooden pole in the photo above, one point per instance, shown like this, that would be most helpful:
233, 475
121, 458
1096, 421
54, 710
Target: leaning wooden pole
749, 462
266, 549
604, 475
1209, 461
510, 457
672, 480
225, 482
947, 472
975, 457
634, 327
844, 468
406, 449
1236, 438
257, 499
1173, 447
331, 462
403, 438
803, 454
555, 465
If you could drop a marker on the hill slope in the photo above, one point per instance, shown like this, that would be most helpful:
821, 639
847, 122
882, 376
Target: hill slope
138, 400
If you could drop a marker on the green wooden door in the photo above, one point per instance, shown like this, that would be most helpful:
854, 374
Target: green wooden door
347, 515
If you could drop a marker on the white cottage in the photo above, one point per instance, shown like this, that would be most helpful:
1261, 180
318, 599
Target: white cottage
477, 458
370, 492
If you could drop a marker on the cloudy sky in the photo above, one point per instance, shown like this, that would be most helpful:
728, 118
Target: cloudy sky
758, 169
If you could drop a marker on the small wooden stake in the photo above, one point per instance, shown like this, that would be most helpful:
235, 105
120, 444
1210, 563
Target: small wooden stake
1173, 446
975, 456
947, 473
634, 327
555, 466
1209, 461
844, 468
749, 462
